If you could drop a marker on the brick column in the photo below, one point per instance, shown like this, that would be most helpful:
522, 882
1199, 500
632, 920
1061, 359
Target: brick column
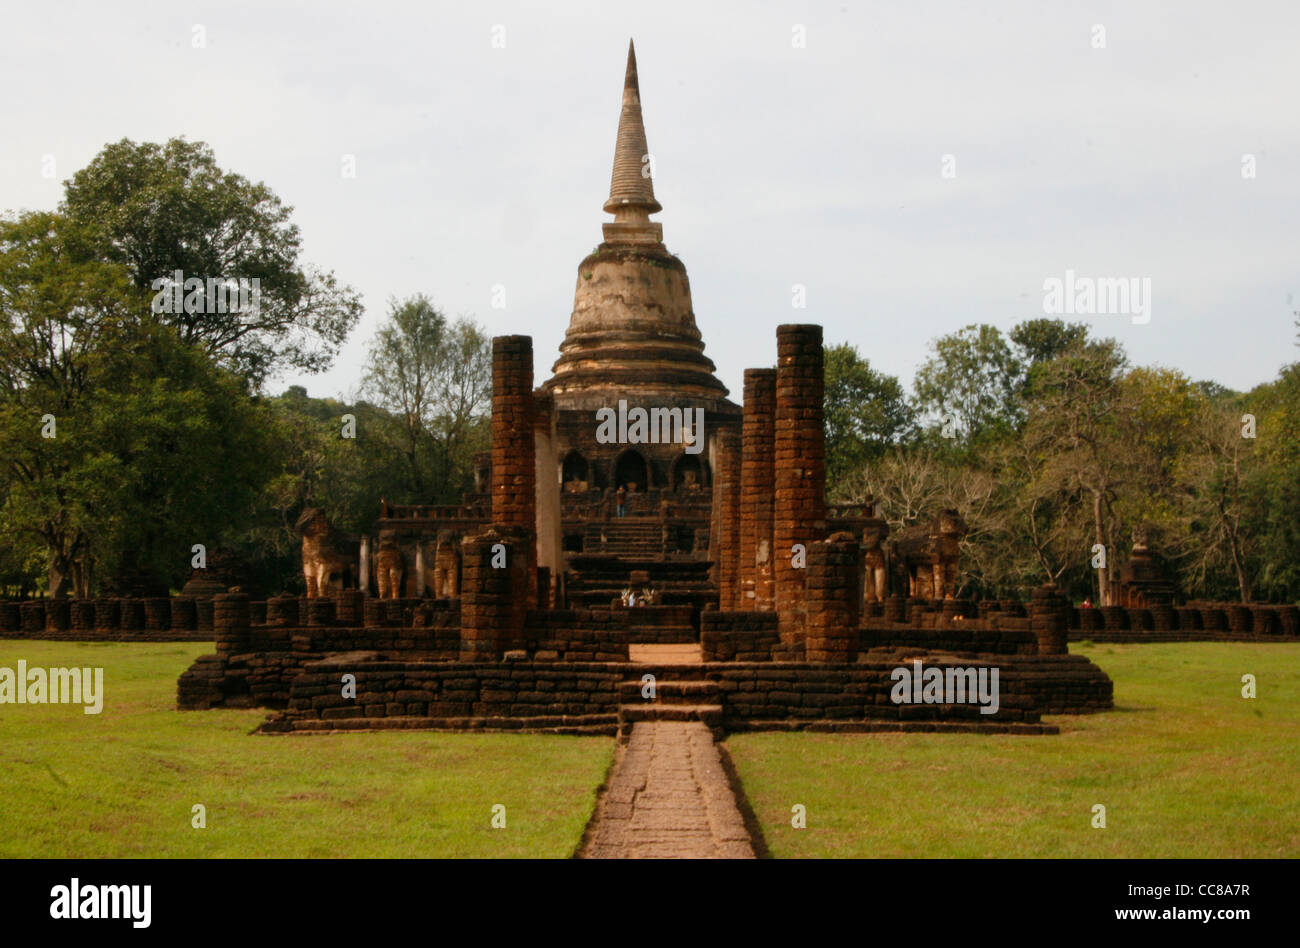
726, 489
799, 459
833, 599
1048, 619
756, 488
514, 474
231, 623
492, 609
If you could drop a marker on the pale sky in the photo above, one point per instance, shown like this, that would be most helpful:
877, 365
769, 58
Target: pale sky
776, 164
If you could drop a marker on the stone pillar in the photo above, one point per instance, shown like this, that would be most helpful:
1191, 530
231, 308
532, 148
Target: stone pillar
348, 608
157, 612
231, 622
419, 568
320, 611
32, 616
726, 492
107, 614
83, 615
514, 473
799, 461
833, 599
756, 489
282, 612
363, 567
550, 550
1048, 619
492, 608
58, 615
131, 616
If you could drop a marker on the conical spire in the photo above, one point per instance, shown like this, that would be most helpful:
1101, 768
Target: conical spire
629, 188
632, 333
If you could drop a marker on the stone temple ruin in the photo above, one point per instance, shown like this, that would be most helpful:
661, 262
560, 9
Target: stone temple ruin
753, 603
757, 604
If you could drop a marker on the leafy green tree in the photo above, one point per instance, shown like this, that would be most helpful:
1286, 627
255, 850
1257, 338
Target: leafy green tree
58, 312
124, 446
866, 412
435, 380
175, 454
1275, 490
1041, 340
970, 385
1072, 435
158, 209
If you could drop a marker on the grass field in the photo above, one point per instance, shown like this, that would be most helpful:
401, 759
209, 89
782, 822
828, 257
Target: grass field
1185, 766
122, 783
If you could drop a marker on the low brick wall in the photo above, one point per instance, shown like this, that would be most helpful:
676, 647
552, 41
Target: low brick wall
455, 690
439, 641
1029, 686
739, 636
994, 636
253, 680
753, 695
576, 635
1193, 622
579, 645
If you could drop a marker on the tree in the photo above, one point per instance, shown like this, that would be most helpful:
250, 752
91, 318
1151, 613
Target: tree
124, 446
970, 384
1042, 340
58, 312
866, 412
1223, 469
174, 454
1047, 520
435, 379
1275, 490
1071, 433
159, 209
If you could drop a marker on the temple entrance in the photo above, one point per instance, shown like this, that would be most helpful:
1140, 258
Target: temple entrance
631, 469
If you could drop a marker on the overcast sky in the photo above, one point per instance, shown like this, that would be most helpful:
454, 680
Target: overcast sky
776, 164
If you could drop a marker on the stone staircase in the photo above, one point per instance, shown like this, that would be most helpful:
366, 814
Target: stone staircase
594, 580
625, 536
674, 700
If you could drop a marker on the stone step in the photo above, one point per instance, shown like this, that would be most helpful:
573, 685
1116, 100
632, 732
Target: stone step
684, 692
629, 715
580, 724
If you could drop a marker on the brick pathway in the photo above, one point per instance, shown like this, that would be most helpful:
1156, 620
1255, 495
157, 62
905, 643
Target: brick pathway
668, 798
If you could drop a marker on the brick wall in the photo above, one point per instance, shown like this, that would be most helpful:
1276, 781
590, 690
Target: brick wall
738, 636
461, 690
1193, 622
753, 695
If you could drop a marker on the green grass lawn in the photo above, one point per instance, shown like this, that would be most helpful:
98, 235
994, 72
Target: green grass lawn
1184, 766
122, 783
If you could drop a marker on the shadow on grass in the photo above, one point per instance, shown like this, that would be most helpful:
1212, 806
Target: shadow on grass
755, 829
